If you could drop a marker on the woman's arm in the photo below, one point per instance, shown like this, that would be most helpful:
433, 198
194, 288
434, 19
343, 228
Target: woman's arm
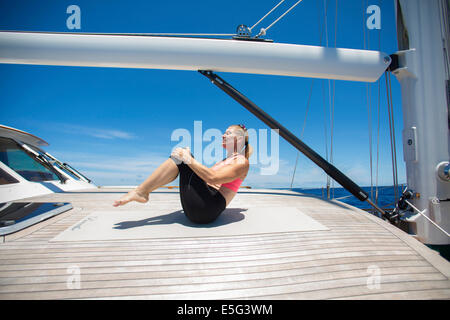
223, 175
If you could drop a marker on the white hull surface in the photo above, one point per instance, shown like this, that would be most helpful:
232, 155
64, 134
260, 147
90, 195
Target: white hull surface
131, 51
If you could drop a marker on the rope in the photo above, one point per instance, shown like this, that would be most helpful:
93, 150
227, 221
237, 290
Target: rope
266, 15
432, 222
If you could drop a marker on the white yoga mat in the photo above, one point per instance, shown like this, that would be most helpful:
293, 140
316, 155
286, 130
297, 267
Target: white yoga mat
148, 224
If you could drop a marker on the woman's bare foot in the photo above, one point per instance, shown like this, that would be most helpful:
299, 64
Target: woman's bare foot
133, 195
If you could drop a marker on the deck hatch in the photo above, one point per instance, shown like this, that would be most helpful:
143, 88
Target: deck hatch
15, 216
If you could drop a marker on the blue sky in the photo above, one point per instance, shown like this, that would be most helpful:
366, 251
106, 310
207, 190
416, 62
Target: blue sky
115, 124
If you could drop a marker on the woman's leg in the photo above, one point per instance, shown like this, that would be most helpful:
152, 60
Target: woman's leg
164, 174
201, 203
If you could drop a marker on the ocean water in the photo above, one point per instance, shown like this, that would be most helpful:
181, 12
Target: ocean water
385, 199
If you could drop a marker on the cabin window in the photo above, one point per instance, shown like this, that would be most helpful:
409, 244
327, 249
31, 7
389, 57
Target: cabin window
6, 178
12, 155
70, 174
54, 163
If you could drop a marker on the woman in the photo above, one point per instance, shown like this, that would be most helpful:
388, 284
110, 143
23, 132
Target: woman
204, 192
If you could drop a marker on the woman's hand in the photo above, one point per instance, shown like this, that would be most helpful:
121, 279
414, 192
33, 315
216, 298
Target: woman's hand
182, 154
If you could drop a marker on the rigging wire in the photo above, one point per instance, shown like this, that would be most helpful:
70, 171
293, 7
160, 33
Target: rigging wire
155, 34
334, 94
392, 133
366, 45
309, 99
350, 195
378, 142
378, 121
326, 136
303, 129
266, 15
331, 100
264, 30
393, 137
426, 217
325, 4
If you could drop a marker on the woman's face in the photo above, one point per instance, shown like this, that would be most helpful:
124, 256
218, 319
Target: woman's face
229, 137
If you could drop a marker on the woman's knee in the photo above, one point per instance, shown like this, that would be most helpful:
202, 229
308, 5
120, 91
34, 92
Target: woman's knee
176, 160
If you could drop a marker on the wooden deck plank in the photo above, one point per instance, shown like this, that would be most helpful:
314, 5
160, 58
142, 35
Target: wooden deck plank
218, 258
302, 235
387, 289
245, 265
228, 282
31, 257
430, 294
168, 246
168, 264
252, 271
322, 287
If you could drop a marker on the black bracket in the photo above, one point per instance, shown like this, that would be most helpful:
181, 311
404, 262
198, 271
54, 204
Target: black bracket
394, 63
331, 170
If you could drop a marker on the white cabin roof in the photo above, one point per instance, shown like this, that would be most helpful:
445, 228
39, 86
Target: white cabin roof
23, 136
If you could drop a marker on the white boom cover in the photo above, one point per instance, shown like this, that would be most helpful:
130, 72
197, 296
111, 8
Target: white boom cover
223, 55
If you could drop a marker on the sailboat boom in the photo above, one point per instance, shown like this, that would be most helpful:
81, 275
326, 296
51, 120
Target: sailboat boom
183, 53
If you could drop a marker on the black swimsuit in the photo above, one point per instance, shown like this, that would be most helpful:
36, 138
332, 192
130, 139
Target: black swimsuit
201, 203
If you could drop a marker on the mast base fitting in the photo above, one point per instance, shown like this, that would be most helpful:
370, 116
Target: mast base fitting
401, 206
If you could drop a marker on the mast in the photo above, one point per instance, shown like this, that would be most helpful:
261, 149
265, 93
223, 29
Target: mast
422, 71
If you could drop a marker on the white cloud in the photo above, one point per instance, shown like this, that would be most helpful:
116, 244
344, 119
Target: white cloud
93, 132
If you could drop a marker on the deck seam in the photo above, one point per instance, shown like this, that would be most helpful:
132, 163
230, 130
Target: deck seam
436, 261
226, 274
345, 287
233, 281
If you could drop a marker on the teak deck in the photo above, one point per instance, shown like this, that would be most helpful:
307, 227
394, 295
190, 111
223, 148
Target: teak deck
344, 262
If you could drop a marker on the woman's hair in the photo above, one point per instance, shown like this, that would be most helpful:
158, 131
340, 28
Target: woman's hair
248, 148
